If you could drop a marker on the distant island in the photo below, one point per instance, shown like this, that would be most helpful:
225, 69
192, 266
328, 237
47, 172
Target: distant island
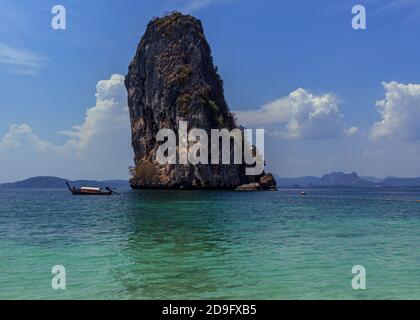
333, 179
340, 179
60, 183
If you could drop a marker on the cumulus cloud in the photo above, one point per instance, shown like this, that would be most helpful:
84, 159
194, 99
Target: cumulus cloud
21, 135
110, 114
301, 114
400, 112
100, 145
19, 60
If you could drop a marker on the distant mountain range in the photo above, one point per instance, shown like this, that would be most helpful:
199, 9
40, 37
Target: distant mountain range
340, 179
333, 179
60, 183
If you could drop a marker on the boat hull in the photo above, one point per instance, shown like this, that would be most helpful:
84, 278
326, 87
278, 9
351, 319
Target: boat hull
81, 193
89, 191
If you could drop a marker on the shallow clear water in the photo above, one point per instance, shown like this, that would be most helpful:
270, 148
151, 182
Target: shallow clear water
216, 245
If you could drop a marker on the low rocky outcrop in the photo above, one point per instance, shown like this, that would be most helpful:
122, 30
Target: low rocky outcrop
172, 78
267, 182
255, 186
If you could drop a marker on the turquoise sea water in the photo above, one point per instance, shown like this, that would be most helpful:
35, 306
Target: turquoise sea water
213, 245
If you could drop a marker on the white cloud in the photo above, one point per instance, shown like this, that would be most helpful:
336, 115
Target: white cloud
351, 131
194, 5
301, 114
400, 112
20, 135
191, 6
18, 60
109, 114
98, 148
392, 5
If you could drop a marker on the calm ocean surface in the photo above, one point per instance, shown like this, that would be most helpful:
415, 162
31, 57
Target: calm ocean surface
213, 245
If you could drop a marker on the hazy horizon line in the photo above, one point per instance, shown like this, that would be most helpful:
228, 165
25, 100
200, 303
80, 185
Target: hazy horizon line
275, 174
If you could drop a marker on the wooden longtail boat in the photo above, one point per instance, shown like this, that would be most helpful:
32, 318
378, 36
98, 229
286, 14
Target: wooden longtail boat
88, 191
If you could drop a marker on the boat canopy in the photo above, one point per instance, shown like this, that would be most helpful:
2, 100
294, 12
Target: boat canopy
90, 189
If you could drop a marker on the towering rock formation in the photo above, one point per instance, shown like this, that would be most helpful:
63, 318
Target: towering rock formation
172, 78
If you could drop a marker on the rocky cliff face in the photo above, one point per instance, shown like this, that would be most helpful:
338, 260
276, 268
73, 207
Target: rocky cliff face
172, 78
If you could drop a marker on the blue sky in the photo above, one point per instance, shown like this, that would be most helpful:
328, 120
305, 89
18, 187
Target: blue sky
296, 66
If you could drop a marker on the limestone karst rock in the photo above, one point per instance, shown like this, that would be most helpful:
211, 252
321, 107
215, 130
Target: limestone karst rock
172, 78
